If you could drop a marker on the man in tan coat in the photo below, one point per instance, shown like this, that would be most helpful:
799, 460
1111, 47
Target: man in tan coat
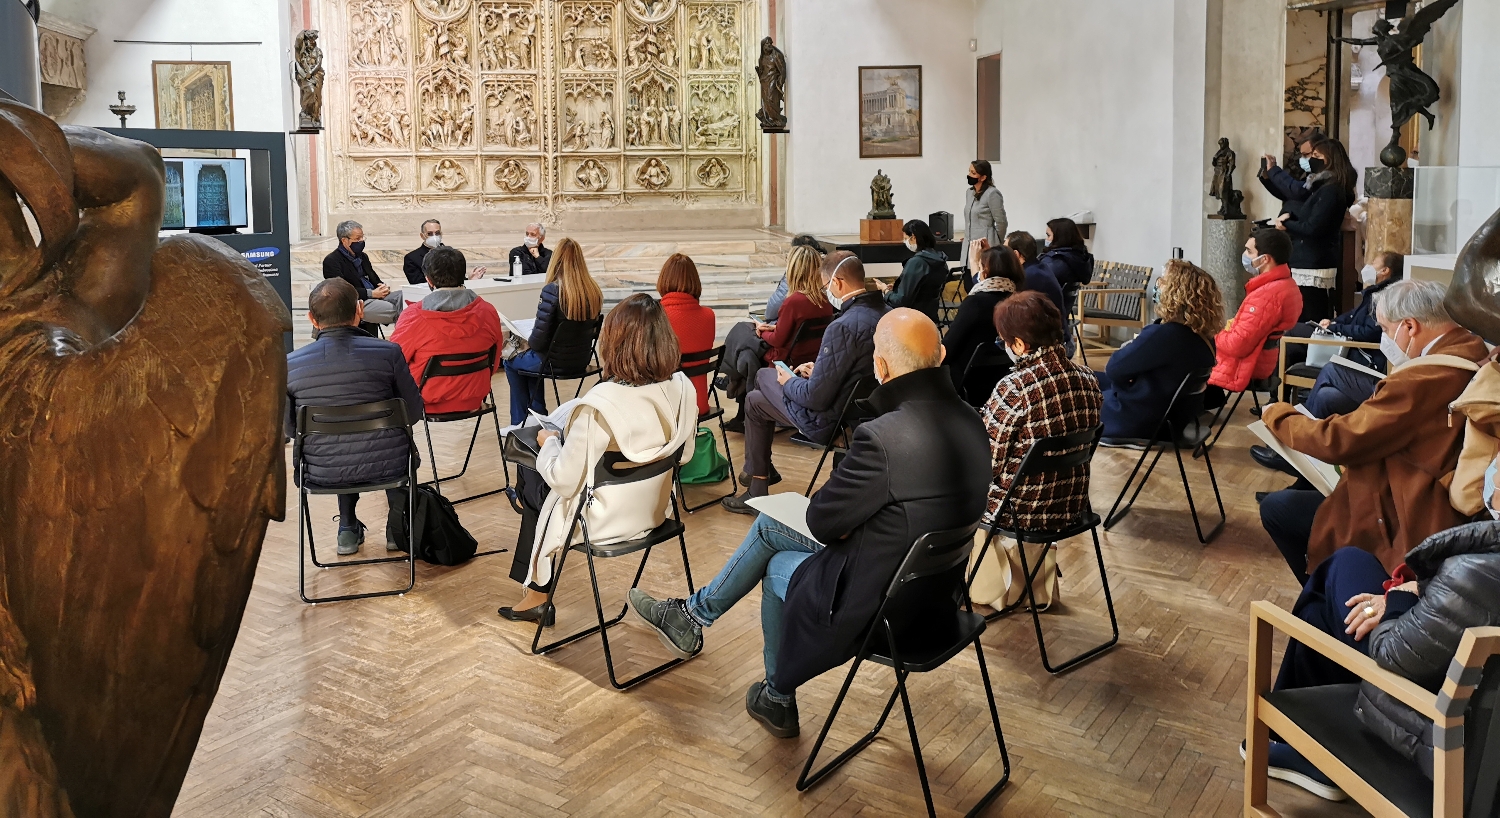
1398, 450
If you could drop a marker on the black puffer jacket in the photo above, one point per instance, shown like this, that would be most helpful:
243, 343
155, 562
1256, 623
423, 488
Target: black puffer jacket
548, 315
344, 367
1317, 224
1458, 575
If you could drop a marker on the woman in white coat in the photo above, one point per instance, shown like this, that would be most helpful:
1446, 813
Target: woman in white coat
646, 410
984, 211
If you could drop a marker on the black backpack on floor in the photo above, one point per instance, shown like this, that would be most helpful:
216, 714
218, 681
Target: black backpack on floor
441, 538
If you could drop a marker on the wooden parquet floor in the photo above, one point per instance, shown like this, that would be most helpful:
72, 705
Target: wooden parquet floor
430, 705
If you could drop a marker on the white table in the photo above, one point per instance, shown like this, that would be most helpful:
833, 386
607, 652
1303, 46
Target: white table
517, 299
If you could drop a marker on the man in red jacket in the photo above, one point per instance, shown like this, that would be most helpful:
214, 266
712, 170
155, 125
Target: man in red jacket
1272, 305
451, 319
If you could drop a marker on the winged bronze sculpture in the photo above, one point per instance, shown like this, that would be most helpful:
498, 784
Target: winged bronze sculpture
141, 389
1412, 90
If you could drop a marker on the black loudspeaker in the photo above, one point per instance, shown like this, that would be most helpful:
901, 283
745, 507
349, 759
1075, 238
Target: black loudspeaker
941, 223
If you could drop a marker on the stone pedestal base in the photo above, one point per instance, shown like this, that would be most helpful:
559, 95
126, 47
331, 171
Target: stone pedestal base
1387, 227
1223, 245
874, 231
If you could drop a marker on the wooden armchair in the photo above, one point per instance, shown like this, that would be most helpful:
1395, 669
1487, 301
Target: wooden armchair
1116, 298
1303, 376
1319, 722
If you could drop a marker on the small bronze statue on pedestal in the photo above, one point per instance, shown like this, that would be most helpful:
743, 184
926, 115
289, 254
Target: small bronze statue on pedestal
771, 71
308, 70
1223, 184
881, 201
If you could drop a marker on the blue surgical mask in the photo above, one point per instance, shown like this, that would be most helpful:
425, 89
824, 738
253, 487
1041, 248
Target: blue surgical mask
1155, 290
1249, 262
1305, 163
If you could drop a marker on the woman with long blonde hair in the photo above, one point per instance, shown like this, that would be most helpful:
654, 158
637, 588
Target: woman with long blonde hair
570, 294
1143, 376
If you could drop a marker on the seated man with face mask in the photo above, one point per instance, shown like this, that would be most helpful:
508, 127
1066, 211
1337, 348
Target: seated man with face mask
530, 258
432, 238
1398, 450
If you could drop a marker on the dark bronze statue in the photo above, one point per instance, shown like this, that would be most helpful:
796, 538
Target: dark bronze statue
141, 392
1412, 90
1223, 184
1472, 297
771, 71
308, 71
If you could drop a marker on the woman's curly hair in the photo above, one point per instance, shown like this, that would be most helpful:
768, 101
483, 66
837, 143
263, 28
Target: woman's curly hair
1189, 296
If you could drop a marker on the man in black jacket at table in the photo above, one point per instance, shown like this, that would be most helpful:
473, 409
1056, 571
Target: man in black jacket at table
380, 303
921, 464
432, 238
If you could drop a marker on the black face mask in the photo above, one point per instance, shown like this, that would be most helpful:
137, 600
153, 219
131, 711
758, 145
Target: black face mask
1317, 165
972, 180
356, 247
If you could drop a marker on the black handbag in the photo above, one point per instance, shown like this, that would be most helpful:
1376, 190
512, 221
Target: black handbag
522, 448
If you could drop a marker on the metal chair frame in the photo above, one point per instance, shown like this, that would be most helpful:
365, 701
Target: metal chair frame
849, 416
1192, 384
451, 366
614, 469
948, 310
590, 370
707, 363
933, 553
342, 420
809, 329
1050, 455
987, 354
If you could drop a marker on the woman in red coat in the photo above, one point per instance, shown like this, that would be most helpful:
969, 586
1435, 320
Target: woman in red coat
694, 324
1272, 304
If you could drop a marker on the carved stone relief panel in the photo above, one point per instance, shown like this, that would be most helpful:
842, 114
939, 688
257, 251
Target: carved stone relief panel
386, 175
713, 173
651, 44
380, 117
516, 175
651, 11
656, 173
653, 115
588, 121
714, 113
444, 43
510, 114
447, 175
443, 9
587, 37
593, 176
377, 34
507, 37
445, 111
713, 38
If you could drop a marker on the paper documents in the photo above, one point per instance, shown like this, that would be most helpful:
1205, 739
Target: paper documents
1323, 476
788, 508
1342, 361
520, 327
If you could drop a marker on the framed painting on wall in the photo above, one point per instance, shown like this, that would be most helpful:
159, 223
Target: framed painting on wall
193, 95
890, 110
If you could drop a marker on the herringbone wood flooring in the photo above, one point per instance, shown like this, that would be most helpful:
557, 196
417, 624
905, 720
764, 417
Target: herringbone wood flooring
430, 705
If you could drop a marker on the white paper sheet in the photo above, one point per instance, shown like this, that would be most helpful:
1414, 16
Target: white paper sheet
788, 508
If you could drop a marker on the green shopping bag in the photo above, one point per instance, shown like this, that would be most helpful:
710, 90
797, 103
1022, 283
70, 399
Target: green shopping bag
707, 466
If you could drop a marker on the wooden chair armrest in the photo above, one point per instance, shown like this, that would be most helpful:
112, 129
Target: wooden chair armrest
1328, 342
1108, 291
1402, 689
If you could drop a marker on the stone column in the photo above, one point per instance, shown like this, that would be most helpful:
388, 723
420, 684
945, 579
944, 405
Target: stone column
1388, 223
1223, 245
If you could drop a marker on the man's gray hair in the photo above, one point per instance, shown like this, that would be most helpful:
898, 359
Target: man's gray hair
347, 228
1420, 301
541, 229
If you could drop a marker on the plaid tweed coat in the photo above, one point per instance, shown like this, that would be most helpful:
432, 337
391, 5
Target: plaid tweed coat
1045, 395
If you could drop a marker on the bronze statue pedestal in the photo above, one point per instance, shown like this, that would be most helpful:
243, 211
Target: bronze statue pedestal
1389, 212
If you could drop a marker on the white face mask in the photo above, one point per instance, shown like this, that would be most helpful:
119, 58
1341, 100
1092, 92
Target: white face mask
1367, 275
1014, 358
833, 300
911, 245
435, 240
532, 241
1392, 350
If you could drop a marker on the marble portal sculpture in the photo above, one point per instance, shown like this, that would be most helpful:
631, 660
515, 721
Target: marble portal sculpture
309, 73
141, 389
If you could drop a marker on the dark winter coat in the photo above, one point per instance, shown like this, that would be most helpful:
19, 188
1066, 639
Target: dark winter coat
549, 316
1068, 265
1283, 185
1359, 324
411, 265
922, 464
920, 286
1041, 280
338, 265
529, 266
344, 367
1458, 576
973, 326
847, 354
1145, 374
1316, 226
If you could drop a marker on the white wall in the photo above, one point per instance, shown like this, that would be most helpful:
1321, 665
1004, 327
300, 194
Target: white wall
1479, 137
826, 42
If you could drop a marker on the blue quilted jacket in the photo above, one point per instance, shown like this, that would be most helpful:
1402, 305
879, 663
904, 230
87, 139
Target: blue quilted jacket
847, 354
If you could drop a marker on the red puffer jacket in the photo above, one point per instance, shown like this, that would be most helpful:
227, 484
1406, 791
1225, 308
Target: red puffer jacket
1272, 304
694, 325
425, 333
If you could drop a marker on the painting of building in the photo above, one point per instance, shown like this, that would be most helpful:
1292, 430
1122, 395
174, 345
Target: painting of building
890, 111
193, 95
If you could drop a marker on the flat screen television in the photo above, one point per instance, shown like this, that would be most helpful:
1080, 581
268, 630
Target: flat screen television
205, 194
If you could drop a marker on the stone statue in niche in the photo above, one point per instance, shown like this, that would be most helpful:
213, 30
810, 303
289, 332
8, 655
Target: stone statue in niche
448, 176
652, 44
713, 173
507, 37
510, 114
445, 44
882, 203
383, 175
378, 118
713, 120
592, 176
771, 71
1412, 90
588, 37
309, 74
375, 40
512, 176
715, 45
586, 120
446, 111
1223, 184
103, 327
651, 115
654, 174
652, 11
1472, 298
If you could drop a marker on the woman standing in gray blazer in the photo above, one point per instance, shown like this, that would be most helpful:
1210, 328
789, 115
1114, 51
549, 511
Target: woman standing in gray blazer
984, 209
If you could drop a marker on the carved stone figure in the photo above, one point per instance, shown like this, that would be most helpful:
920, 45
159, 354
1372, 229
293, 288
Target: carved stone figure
713, 173
512, 176
383, 175
652, 11
445, 43
1472, 298
309, 75
714, 45
587, 123
375, 29
654, 174
446, 111
448, 176
771, 71
881, 201
140, 403
443, 9
510, 114
378, 118
1223, 184
507, 37
592, 176
713, 118
652, 44
651, 113
588, 37
1412, 90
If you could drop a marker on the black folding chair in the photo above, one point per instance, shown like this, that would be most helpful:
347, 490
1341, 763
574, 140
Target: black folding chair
573, 355
707, 363
614, 470
948, 310
347, 420
985, 368
1186, 439
1221, 420
452, 366
1048, 456
810, 329
850, 416
908, 650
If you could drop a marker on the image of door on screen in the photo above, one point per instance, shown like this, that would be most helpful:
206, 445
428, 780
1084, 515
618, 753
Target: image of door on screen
205, 193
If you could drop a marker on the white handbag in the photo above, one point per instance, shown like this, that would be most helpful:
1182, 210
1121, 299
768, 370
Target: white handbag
1320, 354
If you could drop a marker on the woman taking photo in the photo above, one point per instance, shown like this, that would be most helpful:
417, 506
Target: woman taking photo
1143, 376
999, 276
570, 293
694, 323
1316, 225
984, 212
646, 410
921, 283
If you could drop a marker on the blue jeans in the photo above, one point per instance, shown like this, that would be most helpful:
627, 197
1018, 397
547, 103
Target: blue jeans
1347, 573
1339, 390
769, 555
526, 391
